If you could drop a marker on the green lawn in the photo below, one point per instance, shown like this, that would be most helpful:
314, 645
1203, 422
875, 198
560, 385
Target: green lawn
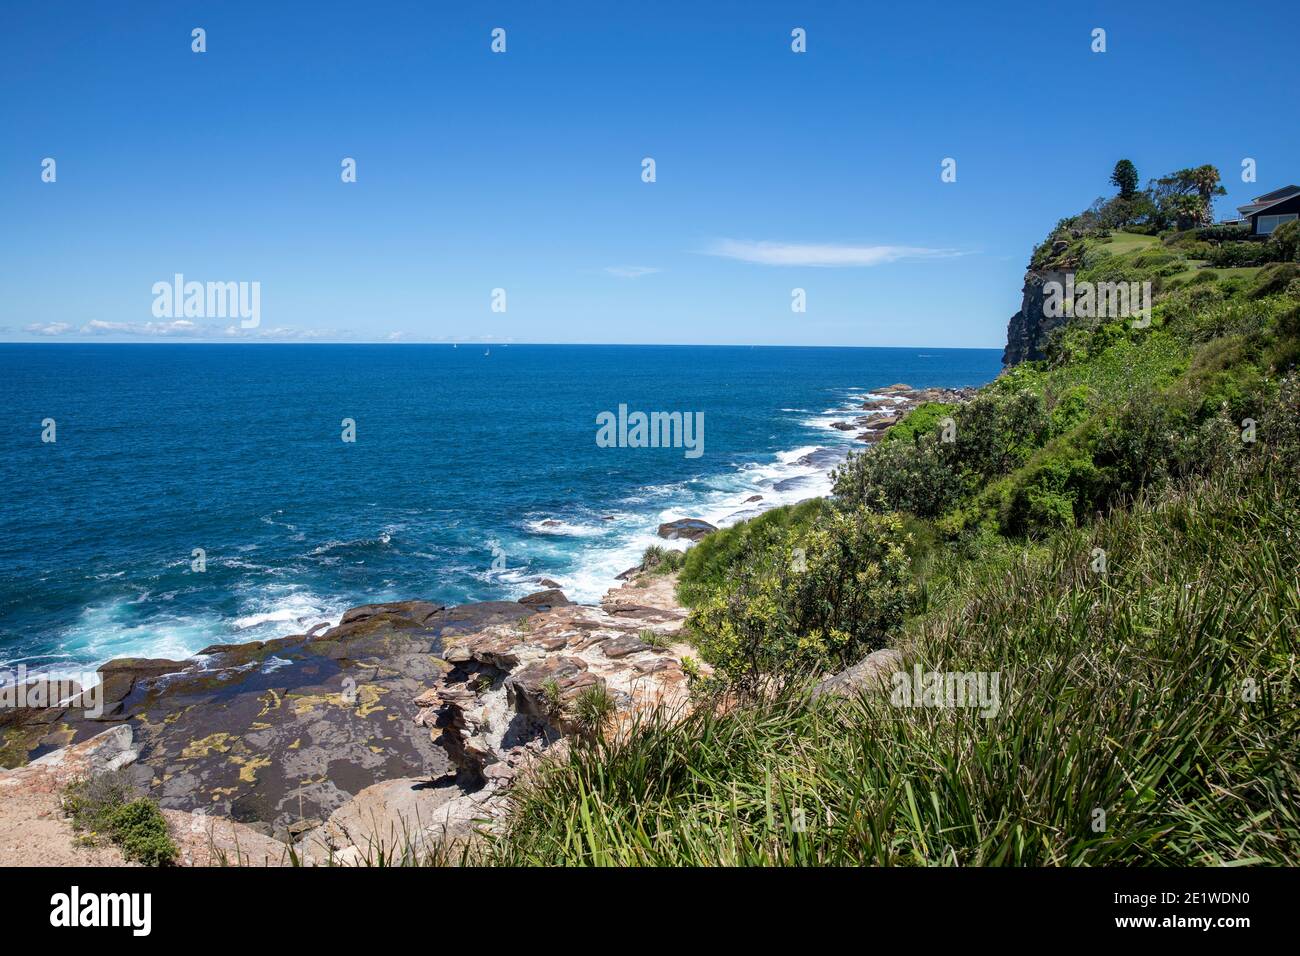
1120, 243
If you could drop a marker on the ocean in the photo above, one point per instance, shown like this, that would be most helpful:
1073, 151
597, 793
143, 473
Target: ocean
202, 494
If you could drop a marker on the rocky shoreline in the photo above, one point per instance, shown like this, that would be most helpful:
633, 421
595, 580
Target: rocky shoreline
403, 725
886, 407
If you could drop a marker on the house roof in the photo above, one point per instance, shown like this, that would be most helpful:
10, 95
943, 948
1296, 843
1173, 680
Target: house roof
1278, 194
1268, 199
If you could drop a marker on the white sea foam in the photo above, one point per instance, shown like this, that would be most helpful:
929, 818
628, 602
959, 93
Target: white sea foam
568, 529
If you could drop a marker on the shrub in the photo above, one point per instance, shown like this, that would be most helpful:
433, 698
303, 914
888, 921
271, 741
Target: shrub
925, 419
711, 561
1275, 279
1221, 232
1052, 494
660, 560
811, 602
1139, 444
997, 434
919, 477
1232, 255
1285, 242
1070, 409
106, 806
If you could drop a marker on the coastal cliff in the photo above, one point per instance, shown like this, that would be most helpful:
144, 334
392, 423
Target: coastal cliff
1029, 328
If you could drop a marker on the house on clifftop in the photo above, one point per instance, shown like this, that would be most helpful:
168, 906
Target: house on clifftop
1265, 213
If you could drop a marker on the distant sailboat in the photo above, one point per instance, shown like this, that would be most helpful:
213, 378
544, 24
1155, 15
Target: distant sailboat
487, 351
453, 344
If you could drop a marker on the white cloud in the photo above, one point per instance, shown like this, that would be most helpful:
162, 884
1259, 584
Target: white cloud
630, 272
48, 328
182, 328
285, 334
819, 254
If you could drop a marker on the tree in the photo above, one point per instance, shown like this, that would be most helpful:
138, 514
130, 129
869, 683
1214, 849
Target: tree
1186, 198
1125, 177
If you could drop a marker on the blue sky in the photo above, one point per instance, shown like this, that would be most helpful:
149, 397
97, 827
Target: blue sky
522, 170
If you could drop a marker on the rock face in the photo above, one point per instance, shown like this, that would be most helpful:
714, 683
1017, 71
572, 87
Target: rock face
514, 692
1028, 330
692, 529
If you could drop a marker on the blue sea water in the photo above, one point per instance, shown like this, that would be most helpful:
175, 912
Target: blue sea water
473, 473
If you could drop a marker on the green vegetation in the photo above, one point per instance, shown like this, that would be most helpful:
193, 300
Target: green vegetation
922, 420
654, 638
818, 596
106, 806
707, 563
1128, 693
661, 560
1110, 532
595, 706
1125, 178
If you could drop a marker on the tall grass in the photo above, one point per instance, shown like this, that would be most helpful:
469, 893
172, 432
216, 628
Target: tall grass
1161, 694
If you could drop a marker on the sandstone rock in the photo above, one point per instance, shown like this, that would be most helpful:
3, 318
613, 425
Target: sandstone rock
418, 611
207, 840
390, 820
542, 600
871, 673
623, 646
545, 687
120, 676
111, 750
493, 729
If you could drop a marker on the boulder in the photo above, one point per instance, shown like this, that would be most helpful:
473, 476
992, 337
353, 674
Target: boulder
544, 600
623, 646
871, 673
693, 529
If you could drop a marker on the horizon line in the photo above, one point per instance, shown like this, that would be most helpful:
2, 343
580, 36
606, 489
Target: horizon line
676, 345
